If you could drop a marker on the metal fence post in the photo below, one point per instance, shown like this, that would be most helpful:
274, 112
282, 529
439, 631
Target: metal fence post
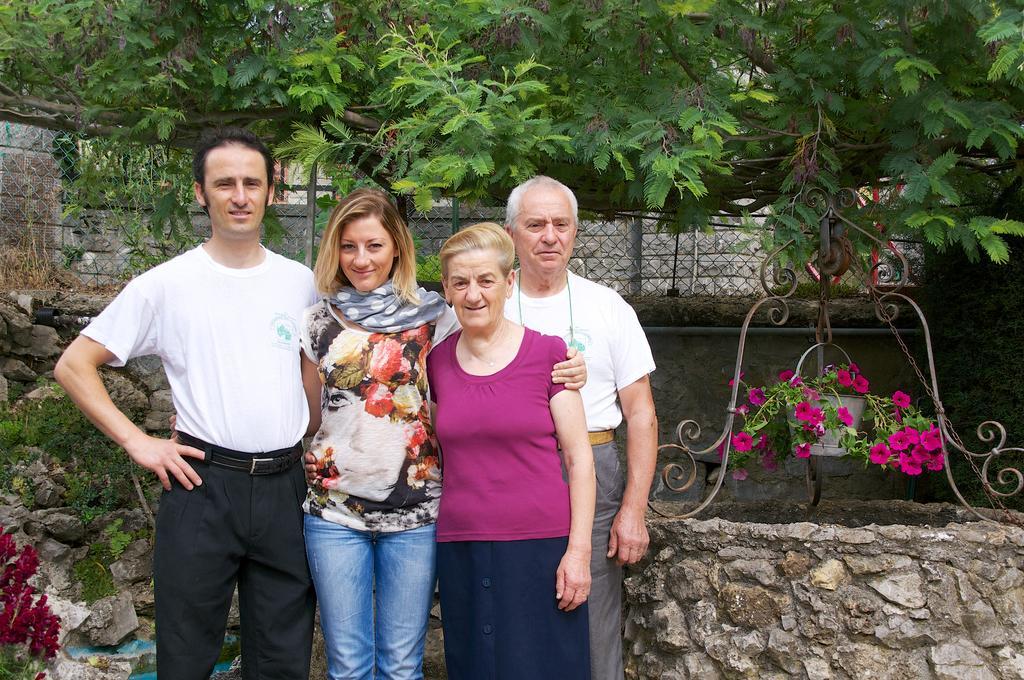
311, 215
636, 244
455, 214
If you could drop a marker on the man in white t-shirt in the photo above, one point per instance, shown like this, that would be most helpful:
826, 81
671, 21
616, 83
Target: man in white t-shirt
224, 319
542, 217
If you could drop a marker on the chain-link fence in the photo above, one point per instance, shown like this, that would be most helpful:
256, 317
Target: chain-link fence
106, 211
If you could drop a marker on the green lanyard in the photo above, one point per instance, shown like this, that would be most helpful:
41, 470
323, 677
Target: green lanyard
573, 342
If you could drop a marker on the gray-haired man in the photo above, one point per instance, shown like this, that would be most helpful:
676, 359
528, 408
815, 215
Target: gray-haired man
542, 218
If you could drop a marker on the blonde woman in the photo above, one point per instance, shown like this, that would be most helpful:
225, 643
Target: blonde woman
513, 537
372, 503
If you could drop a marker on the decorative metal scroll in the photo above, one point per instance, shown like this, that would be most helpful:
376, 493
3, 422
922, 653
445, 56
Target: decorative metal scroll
834, 256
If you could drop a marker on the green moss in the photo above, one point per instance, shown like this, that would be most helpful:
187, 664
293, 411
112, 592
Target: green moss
95, 578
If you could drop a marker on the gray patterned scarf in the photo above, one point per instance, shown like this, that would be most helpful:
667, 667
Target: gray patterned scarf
382, 311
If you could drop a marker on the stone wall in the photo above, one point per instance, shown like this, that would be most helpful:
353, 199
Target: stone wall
853, 590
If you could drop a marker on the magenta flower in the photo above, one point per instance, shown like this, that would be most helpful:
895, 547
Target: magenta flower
732, 382
909, 466
860, 384
812, 395
785, 376
742, 441
756, 396
844, 416
936, 463
931, 439
804, 411
913, 436
854, 368
880, 454
901, 399
739, 474
802, 451
898, 441
844, 378
743, 409
796, 381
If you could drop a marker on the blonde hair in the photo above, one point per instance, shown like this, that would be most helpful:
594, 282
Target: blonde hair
482, 236
327, 272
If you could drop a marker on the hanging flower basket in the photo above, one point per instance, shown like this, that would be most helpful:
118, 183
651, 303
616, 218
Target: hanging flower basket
827, 415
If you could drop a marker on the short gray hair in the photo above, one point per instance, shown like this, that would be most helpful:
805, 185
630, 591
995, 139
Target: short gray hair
515, 199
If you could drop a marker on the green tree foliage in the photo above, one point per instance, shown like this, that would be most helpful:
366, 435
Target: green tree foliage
692, 108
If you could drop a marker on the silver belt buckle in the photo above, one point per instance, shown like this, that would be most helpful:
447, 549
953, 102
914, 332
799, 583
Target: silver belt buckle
252, 468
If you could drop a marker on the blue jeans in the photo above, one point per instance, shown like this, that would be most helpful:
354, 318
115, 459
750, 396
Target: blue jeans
357, 573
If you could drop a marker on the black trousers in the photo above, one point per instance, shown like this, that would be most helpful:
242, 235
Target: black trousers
234, 528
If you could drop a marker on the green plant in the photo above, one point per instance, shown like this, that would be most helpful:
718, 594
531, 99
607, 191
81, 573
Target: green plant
97, 472
117, 540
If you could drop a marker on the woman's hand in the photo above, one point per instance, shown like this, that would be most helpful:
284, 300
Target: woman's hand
572, 580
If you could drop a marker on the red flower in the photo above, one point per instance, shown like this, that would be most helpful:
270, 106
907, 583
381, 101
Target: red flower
386, 360
378, 400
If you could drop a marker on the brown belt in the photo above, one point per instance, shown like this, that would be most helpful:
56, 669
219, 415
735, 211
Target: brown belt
601, 437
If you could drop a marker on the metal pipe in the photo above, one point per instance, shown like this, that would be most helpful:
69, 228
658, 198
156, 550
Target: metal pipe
808, 331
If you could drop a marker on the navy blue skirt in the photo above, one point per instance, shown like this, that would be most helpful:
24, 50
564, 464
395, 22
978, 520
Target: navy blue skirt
500, 616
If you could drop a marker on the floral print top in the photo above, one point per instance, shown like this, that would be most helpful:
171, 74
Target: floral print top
377, 458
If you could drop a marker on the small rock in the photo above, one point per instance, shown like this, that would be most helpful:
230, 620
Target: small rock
4, 390
14, 369
63, 668
796, 564
670, 626
904, 589
42, 392
876, 564
828, 575
61, 523
72, 615
49, 493
161, 401
751, 606
959, 661
112, 620
44, 343
817, 669
123, 392
136, 564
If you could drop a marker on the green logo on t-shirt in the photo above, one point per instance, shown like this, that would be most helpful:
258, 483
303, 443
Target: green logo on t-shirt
283, 331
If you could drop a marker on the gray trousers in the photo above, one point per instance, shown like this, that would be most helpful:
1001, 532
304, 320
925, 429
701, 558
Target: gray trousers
605, 601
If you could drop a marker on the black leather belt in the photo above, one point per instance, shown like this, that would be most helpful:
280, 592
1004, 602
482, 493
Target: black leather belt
268, 463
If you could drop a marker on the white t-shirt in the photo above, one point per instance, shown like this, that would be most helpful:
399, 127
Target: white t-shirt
229, 342
613, 343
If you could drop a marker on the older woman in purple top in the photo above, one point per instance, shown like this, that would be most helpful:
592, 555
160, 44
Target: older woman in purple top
513, 538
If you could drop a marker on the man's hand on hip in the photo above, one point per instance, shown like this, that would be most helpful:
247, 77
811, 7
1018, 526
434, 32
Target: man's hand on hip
165, 458
628, 540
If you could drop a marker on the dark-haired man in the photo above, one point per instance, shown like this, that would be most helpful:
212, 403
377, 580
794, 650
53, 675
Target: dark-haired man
224, 318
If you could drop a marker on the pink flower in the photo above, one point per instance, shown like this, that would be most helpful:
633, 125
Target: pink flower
802, 451
785, 376
804, 411
854, 368
732, 382
913, 436
743, 409
756, 396
844, 416
739, 474
742, 441
811, 395
860, 384
796, 381
844, 377
721, 450
931, 439
899, 441
909, 466
880, 454
936, 463
901, 399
